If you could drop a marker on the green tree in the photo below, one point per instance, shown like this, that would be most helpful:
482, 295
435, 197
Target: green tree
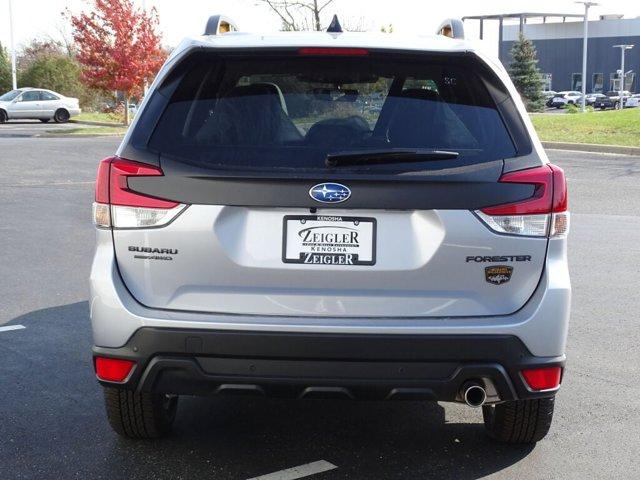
5, 71
524, 72
54, 72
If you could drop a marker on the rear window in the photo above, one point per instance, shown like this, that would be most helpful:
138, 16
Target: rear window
288, 112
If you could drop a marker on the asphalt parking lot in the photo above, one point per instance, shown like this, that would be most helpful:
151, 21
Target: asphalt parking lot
30, 128
52, 423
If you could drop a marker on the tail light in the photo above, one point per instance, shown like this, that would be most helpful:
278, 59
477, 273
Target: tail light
117, 206
543, 214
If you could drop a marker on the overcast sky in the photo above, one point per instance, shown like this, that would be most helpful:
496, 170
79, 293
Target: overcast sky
180, 18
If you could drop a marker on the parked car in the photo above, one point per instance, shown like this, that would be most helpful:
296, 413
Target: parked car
610, 100
37, 103
591, 98
549, 94
565, 98
632, 101
419, 253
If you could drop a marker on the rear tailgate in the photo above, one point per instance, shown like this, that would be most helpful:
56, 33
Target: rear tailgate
268, 229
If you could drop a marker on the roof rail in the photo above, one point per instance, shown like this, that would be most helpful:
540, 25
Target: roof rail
219, 24
452, 28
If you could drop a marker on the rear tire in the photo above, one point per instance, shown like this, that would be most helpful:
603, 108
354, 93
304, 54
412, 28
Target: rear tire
3, 116
139, 414
520, 421
61, 116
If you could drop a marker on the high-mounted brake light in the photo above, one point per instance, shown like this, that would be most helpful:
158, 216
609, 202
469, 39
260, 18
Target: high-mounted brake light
547, 378
333, 52
544, 213
113, 369
118, 206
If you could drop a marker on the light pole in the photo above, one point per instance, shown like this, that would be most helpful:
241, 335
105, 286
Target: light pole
585, 33
13, 49
623, 49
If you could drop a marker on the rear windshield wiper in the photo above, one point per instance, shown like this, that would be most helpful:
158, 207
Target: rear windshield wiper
380, 157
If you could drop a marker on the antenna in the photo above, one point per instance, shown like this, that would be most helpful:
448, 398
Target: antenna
334, 26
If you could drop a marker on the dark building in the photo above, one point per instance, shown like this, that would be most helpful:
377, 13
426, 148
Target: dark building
559, 46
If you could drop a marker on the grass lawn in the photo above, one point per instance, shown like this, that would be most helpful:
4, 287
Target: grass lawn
90, 131
611, 127
99, 117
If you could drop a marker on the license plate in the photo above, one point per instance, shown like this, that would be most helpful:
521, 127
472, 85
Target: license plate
329, 240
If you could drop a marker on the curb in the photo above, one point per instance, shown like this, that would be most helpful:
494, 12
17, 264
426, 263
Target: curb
589, 147
97, 124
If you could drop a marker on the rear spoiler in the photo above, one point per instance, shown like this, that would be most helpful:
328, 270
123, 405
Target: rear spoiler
452, 28
219, 24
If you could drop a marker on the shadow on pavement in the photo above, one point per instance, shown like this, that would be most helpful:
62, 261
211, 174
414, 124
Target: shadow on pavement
53, 425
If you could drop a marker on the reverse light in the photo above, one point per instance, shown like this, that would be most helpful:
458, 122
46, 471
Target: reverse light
113, 369
118, 206
547, 378
544, 213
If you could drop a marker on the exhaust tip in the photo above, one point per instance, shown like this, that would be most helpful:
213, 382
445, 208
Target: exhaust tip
474, 394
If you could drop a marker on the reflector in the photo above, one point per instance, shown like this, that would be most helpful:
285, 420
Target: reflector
547, 378
113, 369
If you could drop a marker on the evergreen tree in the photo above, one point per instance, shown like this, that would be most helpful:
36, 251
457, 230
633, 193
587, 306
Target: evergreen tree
525, 74
5, 71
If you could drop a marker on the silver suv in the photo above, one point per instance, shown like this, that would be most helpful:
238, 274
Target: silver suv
331, 215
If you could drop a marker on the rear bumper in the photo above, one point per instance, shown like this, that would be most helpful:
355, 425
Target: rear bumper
541, 325
402, 367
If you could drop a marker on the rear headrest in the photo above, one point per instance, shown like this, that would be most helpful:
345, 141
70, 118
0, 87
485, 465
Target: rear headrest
262, 88
416, 120
421, 94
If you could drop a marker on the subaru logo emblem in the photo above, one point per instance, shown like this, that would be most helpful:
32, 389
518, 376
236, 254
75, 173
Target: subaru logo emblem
330, 193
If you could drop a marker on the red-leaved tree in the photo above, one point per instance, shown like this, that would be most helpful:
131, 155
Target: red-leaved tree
118, 46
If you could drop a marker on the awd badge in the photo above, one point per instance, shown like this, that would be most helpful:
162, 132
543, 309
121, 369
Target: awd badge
498, 274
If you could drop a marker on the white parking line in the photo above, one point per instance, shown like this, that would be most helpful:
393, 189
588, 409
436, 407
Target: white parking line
299, 471
46, 184
11, 327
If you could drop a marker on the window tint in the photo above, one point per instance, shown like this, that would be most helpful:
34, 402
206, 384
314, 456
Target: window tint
7, 97
291, 112
48, 96
30, 96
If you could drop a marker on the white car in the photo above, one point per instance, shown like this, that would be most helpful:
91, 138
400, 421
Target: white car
633, 101
563, 98
37, 103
